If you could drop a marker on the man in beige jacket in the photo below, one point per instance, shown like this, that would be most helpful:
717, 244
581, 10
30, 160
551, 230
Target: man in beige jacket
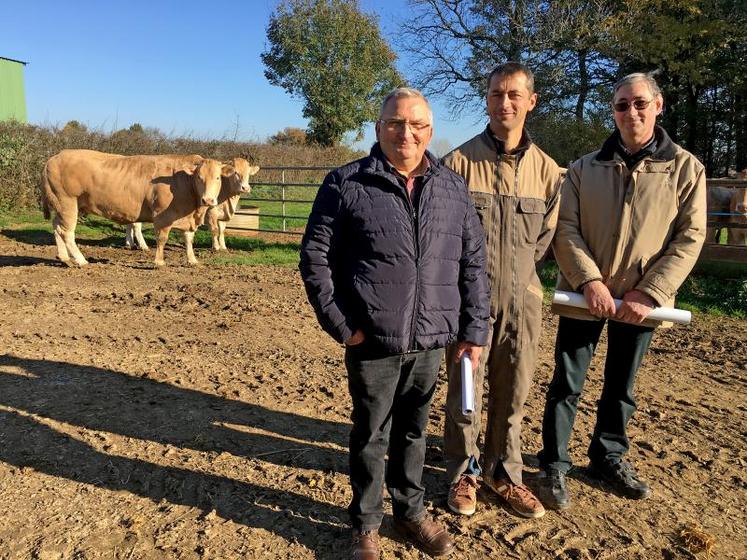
631, 225
515, 187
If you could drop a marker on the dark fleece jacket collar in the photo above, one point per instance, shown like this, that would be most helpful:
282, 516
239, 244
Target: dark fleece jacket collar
500, 146
665, 149
377, 163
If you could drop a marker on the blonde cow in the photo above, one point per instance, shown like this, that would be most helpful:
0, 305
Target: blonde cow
234, 183
168, 190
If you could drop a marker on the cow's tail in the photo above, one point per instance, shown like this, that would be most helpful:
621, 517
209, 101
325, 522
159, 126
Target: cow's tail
43, 190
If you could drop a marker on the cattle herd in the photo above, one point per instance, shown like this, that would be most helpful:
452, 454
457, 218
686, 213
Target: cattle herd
171, 191
186, 191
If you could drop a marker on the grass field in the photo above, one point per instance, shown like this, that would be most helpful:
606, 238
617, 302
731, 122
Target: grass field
715, 288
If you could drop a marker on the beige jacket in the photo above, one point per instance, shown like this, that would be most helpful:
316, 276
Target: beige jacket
517, 199
636, 229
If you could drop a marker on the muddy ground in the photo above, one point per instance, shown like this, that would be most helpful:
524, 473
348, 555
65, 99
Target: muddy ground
201, 413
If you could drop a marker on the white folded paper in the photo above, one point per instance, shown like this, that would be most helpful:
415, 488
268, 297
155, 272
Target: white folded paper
574, 299
468, 387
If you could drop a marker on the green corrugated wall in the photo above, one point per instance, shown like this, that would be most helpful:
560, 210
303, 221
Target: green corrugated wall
12, 94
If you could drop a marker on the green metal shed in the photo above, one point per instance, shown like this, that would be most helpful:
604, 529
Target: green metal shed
12, 92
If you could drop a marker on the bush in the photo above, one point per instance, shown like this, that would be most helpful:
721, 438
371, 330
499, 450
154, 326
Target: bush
24, 149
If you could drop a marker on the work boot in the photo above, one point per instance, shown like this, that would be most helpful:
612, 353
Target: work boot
518, 497
553, 490
463, 495
427, 534
622, 477
365, 545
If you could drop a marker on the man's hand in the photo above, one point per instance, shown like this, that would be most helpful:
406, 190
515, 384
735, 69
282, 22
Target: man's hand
356, 338
635, 307
599, 299
472, 350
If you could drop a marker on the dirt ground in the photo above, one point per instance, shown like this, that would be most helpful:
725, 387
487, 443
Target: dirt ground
200, 413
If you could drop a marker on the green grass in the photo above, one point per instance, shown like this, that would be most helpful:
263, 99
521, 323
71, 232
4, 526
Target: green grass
31, 227
715, 288
276, 208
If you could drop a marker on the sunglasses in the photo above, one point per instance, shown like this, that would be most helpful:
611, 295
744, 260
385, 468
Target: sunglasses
639, 104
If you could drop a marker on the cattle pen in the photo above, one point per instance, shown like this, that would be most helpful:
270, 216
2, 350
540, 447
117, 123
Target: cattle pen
282, 196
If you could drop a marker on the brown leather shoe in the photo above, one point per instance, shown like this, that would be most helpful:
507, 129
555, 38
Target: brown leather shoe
463, 495
365, 545
428, 534
518, 497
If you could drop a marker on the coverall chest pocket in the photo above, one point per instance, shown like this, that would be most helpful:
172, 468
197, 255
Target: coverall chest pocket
530, 214
484, 205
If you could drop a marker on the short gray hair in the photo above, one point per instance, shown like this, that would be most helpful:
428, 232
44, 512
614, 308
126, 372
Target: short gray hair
396, 93
638, 77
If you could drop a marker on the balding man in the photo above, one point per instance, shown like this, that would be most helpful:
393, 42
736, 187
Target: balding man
393, 264
631, 225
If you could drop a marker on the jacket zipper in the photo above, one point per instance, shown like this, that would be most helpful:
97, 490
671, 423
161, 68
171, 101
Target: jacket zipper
513, 249
416, 244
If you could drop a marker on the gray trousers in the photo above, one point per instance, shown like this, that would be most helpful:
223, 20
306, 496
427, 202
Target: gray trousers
509, 360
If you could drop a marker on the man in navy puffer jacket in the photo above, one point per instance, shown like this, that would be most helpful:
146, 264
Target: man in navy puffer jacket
393, 261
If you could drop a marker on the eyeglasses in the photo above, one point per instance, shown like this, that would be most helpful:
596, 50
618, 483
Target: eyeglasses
416, 127
638, 104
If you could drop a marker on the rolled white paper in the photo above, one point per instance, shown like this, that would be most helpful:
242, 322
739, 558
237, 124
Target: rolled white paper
574, 299
468, 387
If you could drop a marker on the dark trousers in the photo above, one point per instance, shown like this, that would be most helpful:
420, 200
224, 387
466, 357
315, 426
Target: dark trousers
391, 399
574, 348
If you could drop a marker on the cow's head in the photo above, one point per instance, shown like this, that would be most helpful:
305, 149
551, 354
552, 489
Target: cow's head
236, 175
207, 181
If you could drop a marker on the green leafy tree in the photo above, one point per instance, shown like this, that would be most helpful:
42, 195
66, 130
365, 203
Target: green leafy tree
332, 55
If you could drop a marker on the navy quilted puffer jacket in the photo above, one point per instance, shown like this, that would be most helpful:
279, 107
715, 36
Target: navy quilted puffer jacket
409, 280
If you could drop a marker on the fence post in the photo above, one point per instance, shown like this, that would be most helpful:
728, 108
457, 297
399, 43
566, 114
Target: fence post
282, 198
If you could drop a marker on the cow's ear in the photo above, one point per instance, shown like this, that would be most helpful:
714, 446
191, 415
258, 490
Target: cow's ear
197, 166
254, 169
227, 170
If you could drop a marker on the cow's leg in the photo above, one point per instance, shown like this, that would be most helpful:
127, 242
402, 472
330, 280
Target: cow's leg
222, 235
189, 237
59, 239
214, 226
162, 236
65, 223
138, 230
129, 237
215, 233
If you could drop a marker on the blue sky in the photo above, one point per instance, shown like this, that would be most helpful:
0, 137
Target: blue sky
185, 67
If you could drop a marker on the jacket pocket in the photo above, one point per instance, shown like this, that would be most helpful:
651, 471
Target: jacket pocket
484, 205
530, 214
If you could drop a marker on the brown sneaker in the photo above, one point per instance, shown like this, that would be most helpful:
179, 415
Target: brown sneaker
517, 496
428, 534
463, 495
365, 545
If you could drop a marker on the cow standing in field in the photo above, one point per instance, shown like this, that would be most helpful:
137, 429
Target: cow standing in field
170, 191
235, 183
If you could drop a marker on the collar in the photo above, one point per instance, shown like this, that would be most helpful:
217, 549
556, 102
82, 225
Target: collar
664, 151
377, 164
500, 145
420, 171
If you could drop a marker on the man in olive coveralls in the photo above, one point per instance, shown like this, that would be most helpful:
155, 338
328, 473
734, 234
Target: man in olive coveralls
515, 188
